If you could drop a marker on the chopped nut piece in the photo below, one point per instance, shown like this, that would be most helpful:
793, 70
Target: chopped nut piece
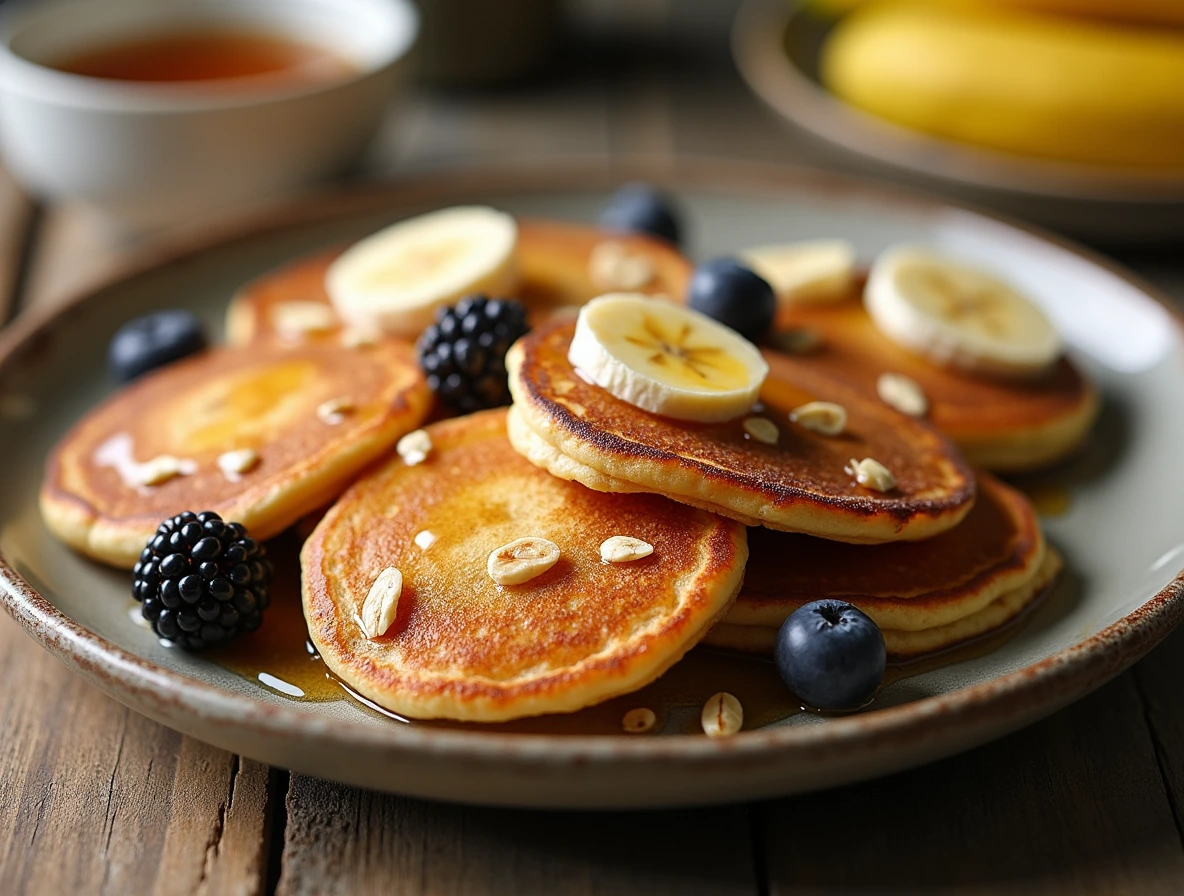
522, 560
296, 320
823, 417
234, 463
762, 429
903, 393
426, 539
382, 603
638, 721
334, 410
623, 548
414, 447
722, 715
611, 266
159, 470
800, 341
352, 338
870, 473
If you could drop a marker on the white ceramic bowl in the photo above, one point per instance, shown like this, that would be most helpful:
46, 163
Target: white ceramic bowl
149, 154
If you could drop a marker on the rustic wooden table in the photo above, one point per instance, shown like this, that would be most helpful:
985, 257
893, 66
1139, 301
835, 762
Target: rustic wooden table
94, 798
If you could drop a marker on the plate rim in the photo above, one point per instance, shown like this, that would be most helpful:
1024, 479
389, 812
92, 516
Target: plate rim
785, 89
1024, 694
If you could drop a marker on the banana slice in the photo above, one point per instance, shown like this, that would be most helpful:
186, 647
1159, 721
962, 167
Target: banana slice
809, 272
666, 359
394, 280
958, 316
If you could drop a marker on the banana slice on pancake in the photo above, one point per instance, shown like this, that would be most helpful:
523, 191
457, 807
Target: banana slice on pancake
394, 280
807, 272
666, 359
464, 647
262, 435
958, 316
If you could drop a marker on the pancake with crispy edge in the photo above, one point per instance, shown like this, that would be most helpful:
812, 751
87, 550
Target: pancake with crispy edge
798, 485
1000, 424
553, 262
462, 647
263, 399
909, 645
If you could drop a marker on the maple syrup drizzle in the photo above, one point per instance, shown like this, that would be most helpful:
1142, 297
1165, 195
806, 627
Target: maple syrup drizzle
280, 658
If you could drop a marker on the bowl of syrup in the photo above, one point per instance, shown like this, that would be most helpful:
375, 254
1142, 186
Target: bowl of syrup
159, 111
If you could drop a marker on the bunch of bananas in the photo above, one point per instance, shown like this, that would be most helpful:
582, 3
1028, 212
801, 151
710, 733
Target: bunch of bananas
1097, 82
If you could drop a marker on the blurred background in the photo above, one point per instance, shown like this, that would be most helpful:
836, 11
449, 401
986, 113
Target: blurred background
1064, 113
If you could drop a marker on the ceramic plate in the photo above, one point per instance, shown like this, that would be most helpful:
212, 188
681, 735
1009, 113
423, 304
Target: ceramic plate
777, 46
1112, 520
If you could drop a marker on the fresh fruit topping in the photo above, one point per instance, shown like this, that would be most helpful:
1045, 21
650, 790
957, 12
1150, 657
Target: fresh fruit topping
624, 549
727, 291
823, 417
958, 316
613, 266
666, 359
382, 603
395, 280
810, 272
762, 429
152, 341
522, 560
202, 582
831, 655
870, 473
638, 208
414, 447
639, 721
335, 410
463, 353
722, 715
903, 393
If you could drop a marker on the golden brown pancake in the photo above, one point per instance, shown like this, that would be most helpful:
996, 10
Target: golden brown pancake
462, 647
263, 399
904, 645
1003, 425
553, 260
798, 485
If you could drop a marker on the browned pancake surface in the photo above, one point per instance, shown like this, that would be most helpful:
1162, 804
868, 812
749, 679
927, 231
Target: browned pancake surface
464, 647
905, 585
1002, 424
553, 260
799, 484
264, 399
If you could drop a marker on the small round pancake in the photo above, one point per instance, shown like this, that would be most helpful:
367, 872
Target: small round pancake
909, 586
910, 645
462, 647
798, 485
263, 399
1002, 425
553, 260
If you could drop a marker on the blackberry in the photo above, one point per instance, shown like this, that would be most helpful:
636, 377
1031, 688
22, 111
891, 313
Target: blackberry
202, 582
463, 353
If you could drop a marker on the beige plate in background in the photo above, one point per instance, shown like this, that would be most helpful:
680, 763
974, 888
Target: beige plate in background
777, 43
1122, 537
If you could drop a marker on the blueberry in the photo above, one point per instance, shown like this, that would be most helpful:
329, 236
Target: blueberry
732, 294
638, 208
152, 341
831, 655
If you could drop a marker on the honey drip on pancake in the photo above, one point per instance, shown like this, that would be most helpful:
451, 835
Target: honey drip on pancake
280, 651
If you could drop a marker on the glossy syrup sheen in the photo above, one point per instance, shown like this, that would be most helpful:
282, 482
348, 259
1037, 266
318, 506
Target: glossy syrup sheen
215, 54
280, 658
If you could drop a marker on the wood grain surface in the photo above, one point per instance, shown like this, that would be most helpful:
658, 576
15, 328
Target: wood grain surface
96, 799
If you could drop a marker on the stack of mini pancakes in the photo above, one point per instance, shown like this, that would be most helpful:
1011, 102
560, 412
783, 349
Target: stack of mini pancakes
743, 524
